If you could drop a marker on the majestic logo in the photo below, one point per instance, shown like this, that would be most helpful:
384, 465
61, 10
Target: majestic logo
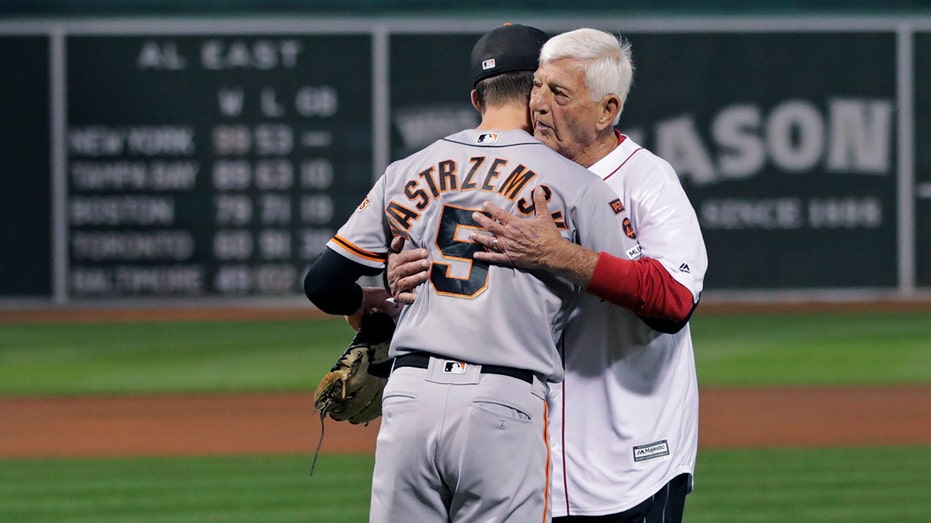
487, 138
363, 205
488, 64
655, 450
685, 268
617, 206
454, 367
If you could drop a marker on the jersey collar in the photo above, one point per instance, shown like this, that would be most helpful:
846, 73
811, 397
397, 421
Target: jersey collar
606, 166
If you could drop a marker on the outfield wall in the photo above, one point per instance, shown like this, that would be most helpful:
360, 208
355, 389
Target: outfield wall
152, 159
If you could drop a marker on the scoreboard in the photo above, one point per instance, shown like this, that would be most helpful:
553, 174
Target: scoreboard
215, 164
215, 158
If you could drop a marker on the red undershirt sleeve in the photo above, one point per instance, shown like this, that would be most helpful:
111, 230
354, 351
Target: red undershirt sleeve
644, 286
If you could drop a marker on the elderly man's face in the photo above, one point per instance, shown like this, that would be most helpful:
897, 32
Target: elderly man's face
563, 114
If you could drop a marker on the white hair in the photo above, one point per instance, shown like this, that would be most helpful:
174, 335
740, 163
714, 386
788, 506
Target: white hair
608, 61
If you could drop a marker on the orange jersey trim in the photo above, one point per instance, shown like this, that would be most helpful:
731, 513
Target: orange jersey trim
360, 252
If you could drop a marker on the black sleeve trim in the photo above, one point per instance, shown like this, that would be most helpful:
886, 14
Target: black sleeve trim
330, 284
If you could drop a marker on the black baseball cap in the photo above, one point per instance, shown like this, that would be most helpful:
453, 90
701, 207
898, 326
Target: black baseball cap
511, 47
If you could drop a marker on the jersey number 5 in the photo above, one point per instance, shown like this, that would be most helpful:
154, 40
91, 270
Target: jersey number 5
452, 240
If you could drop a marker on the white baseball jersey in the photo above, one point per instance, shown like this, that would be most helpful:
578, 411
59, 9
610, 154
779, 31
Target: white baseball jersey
470, 311
625, 420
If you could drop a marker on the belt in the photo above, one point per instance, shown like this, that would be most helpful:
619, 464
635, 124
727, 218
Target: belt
421, 360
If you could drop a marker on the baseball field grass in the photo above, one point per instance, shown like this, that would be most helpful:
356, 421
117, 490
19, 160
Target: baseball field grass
862, 484
262, 356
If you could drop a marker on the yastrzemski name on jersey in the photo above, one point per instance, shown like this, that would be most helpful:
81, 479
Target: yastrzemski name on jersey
472, 311
481, 174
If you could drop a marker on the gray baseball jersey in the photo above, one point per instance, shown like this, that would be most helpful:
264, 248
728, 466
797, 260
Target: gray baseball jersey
471, 311
464, 439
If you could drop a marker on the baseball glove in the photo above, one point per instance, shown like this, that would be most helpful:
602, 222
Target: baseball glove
352, 389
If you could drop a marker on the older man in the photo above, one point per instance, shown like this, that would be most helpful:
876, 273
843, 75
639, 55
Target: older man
464, 411
624, 423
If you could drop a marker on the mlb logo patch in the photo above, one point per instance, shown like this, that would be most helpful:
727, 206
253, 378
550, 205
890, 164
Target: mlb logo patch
488, 64
454, 367
487, 138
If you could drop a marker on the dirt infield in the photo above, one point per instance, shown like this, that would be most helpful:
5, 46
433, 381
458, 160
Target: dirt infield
284, 424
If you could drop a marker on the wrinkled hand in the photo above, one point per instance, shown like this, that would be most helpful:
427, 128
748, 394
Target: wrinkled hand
406, 270
522, 242
374, 299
